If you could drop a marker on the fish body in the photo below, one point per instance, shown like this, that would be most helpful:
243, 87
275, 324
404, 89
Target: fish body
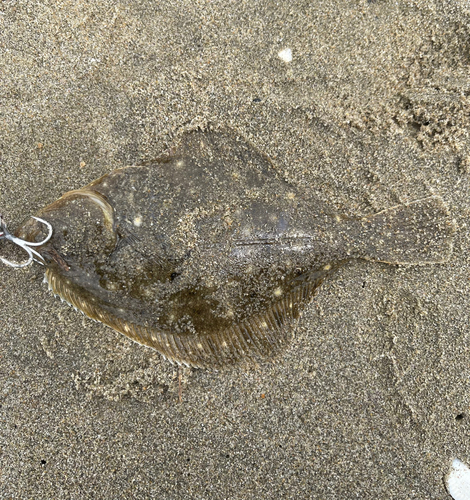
208, 256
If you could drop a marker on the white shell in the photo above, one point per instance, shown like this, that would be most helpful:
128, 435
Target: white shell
286, 55
458, 480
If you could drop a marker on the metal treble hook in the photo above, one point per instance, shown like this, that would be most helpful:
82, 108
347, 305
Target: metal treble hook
25, 245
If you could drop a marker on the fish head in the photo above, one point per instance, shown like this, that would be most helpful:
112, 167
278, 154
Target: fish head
82, 223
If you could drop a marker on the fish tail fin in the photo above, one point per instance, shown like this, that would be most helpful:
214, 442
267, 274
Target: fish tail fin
419, 232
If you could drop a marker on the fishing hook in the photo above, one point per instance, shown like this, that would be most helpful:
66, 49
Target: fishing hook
25, 245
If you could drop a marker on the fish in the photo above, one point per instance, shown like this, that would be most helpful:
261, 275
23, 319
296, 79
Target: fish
208, 255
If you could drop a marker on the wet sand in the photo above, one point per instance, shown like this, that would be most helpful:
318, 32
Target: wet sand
371, 400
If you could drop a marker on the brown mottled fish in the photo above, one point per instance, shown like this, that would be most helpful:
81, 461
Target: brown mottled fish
207, 255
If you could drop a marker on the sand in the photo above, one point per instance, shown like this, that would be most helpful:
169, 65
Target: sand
371, 400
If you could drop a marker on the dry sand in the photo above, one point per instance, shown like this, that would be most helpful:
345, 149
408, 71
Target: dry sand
372, 398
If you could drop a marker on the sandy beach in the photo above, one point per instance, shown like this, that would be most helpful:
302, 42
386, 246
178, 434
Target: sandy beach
364, 103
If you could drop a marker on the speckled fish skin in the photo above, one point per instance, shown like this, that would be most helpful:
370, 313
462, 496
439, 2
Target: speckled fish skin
208, 256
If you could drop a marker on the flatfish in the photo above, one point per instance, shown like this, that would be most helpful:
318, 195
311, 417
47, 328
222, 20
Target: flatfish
207, 255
